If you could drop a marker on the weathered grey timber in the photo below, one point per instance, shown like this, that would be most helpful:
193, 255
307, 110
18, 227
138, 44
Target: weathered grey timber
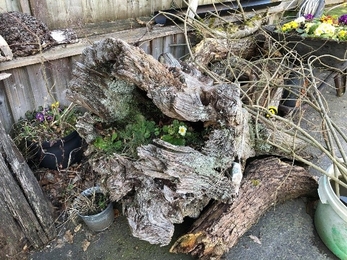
220, 227
169, 182
26, 217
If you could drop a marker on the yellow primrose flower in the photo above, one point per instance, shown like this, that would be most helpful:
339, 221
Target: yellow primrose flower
294, 25
55, 105
182, 130
290, 26
342, 35
326, 29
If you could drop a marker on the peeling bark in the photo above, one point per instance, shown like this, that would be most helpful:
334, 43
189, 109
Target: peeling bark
220, 227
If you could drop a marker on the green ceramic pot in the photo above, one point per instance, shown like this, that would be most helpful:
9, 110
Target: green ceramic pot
331, 217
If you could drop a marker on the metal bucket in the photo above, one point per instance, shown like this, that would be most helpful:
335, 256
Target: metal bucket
102, 220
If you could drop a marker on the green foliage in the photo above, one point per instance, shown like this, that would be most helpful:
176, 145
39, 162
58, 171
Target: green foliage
141, 131
175, 133
138, 132
108, 143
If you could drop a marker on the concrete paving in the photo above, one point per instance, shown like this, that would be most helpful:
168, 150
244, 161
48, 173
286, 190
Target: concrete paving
286, 231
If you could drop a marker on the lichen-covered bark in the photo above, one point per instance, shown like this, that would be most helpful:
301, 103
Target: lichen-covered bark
220, 227
168, 183
178, 92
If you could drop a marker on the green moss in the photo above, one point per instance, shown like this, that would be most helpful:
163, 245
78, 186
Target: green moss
255, 182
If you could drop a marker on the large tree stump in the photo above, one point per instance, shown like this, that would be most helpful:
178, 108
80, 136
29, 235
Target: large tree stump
180, 92
26, 217
165, 183
267, 182
168, 182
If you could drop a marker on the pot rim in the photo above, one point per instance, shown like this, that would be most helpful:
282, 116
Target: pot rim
90, 191
327, 194
48, 144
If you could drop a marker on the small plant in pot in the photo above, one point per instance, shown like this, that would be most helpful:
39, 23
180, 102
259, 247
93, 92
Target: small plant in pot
94, 207
47, 136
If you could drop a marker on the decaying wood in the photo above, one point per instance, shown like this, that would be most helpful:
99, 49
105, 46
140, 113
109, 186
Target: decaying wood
165, 183
267, 182
26, 217
117, 66
212, 49
170, 182
225, 40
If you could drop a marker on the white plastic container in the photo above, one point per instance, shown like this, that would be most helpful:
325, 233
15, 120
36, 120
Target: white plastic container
331, 217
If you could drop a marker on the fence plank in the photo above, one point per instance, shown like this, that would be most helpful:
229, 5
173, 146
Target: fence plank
26, 217
39, 9
24, 6
9, 5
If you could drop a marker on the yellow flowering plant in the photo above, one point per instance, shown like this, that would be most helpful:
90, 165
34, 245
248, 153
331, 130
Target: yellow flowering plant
176, 133
46, 123
141, 131
330, 27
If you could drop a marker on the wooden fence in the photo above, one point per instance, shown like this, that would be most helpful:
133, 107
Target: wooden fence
34, 75
66, 13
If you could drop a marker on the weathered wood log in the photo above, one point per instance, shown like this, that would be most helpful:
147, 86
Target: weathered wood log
116, 66
267, 182
26, 217
165, 183
170, 183
212, 49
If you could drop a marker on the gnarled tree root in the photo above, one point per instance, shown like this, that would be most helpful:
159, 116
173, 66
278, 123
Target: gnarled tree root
267, 182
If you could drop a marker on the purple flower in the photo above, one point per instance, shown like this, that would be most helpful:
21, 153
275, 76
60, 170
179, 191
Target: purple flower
343, 19
49, 118
308, 17
39, 116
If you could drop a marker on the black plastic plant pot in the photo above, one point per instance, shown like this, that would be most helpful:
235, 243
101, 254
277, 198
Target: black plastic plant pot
291, 93
59, 154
